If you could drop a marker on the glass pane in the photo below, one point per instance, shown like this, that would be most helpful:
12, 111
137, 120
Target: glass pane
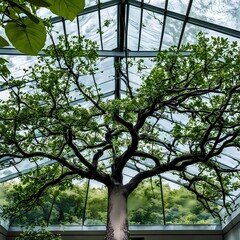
7, 171
157, 3
179, 6
45, 13
103, 1
25, 165
56, 31
227, 161
17, 64
221, 12
192, 30
57, 207
174, 178
66, 206
4, 95
109, 27
96, 212
151, 30
89, 3
133, 28
12, 168
130, 171
172, 32
181, 206
3, 34
71, 27
192, 169
89, 26
144, 204
105, 75
135, 78
107, 86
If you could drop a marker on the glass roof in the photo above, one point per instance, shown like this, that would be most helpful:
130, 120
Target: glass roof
139, 29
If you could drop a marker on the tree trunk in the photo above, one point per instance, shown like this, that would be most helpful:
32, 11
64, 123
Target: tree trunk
117, 220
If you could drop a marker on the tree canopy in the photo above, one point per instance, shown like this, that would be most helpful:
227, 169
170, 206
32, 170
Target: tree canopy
185, 114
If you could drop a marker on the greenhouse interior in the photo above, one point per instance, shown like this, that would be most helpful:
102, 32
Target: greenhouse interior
49, 187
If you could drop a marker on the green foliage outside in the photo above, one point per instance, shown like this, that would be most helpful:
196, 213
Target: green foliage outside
39, 234
24, 28
181, 207
144, 206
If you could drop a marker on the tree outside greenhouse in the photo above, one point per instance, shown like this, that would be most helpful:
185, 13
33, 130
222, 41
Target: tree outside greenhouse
44, 118
66, 207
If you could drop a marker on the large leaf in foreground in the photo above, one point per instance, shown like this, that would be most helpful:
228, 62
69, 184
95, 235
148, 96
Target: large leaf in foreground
3, 42
67, 8
42, 3
28, 37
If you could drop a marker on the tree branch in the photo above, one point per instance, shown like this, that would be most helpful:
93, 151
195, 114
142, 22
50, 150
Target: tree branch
147, 155
121, 161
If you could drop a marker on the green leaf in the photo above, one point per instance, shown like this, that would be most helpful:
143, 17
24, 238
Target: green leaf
67, 8
23, 9
42, 3
28, 37
3, 42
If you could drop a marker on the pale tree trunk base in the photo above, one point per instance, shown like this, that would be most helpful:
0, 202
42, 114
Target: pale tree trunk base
117, 223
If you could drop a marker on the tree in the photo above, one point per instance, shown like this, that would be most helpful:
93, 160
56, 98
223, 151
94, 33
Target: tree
59, 206
23, 26
180, 206
184, 114
41, 233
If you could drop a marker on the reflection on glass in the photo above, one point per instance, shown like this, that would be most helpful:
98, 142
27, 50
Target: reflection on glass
17, 64
134, 76
89, 26
89, 3
71, 27
7, 171
157, 3
191, 31
133, 28
57, 30
104, 77
24, 165
172, 32
179, 6
109, 27
151, 31
222, 12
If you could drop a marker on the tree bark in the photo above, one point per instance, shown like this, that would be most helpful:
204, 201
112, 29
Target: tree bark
117, 218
